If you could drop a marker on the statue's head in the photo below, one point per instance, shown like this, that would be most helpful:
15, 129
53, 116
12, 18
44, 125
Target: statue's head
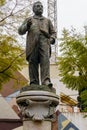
38, 8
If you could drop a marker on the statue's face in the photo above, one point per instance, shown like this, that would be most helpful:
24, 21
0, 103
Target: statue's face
38, 8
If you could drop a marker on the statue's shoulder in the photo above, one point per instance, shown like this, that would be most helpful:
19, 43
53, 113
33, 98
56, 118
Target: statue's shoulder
31, 17
46, 19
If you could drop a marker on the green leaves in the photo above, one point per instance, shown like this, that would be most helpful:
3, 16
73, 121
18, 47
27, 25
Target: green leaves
73, 61
11, 58
11, 44
83, 99
2, 2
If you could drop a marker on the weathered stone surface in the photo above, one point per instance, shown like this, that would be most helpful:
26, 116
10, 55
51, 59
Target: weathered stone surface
31, 125
38, 87
38, 105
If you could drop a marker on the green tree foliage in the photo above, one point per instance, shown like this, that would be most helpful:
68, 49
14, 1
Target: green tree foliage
11, 58
83, 98
2, 2
73, 62
11, 44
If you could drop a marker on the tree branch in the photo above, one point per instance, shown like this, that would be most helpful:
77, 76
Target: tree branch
11, 63
11, 13
11, 77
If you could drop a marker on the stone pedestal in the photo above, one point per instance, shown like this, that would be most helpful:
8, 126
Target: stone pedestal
38, 109
36, 125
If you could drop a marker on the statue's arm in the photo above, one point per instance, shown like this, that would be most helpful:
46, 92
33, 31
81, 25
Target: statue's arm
52, 32
25, 26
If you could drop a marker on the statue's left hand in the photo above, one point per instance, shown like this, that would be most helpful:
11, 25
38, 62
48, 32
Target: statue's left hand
52, 40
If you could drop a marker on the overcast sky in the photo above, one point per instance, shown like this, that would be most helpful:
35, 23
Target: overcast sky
72, 13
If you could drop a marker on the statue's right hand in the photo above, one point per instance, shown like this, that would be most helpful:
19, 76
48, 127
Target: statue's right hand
29, 22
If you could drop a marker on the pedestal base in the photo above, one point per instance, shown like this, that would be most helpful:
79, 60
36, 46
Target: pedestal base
36, 125
38, 105
38, 109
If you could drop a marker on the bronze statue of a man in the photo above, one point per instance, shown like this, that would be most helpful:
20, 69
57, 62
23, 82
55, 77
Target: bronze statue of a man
40, 36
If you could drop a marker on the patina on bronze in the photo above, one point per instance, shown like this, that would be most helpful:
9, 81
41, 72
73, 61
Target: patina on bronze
40, 36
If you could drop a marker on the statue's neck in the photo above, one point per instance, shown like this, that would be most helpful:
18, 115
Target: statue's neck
38, 15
